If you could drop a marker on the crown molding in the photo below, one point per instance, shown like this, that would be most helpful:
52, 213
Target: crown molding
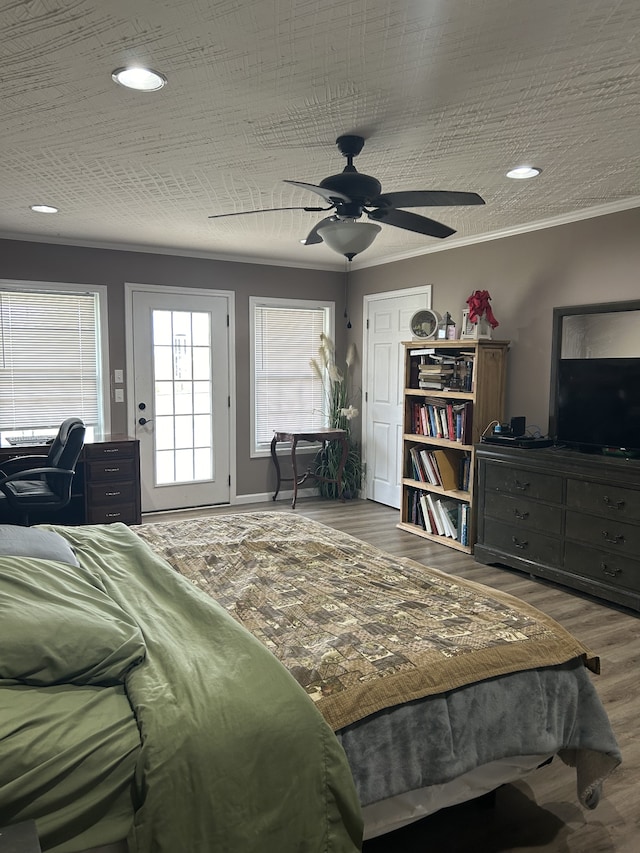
338, 265
551, 222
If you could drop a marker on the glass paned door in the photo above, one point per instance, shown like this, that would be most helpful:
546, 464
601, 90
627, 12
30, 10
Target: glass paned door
181, 394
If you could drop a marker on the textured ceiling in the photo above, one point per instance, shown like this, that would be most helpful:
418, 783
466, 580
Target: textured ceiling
449, 94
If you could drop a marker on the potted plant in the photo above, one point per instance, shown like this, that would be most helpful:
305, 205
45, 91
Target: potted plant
340, 412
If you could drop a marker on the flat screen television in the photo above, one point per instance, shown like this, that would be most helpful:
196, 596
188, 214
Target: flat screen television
598, 404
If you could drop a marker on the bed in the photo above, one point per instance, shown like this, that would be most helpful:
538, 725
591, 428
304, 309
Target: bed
410, 688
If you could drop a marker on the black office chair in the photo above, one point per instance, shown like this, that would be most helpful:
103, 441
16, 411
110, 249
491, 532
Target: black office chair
43, 482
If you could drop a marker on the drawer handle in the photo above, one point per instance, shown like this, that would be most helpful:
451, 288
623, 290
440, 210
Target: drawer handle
111, 470
520, 544
522, 486
613, 504
614, 540
113, 514
613, 573
521, 515
112, 494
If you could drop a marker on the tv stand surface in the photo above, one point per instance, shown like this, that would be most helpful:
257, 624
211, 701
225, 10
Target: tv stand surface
566, 516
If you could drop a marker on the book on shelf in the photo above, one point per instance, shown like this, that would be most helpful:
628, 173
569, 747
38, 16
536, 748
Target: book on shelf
431, 471
463, 421
435, 515
444, 518
417, 465
436, 367
452, 513
466, 371
464, 524
425, 513
448, 465
465, 472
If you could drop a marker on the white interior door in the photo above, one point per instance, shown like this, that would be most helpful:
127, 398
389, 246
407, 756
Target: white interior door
387, 318
181, 397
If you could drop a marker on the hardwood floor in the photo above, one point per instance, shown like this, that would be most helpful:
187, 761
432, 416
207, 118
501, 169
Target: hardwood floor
540, 813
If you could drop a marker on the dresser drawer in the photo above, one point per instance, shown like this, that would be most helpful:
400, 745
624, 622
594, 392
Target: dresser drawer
107, 493
613, 502
109, 450
614, 569
516, 481
616, 536
126, 513
526, 544
523, 513
111, 469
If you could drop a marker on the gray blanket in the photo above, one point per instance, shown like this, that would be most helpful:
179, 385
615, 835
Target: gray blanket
434, 740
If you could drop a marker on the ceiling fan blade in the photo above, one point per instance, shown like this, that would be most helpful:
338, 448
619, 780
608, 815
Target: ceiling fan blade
313, 236
426, 198
268, 210
329, 195
410, 222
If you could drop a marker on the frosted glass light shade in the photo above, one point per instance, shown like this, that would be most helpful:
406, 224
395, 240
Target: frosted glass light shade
348, 237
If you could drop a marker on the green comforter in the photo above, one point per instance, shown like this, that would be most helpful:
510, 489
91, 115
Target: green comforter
132, 704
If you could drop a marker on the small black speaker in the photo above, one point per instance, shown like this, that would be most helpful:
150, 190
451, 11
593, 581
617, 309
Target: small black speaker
518, 426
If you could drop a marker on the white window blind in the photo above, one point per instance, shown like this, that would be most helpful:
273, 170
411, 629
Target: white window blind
49, 359
288, 394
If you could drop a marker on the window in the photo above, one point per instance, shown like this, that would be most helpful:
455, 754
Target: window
51, 365
286, 393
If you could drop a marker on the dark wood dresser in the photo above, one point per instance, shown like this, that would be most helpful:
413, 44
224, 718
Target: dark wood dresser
570, 517
106, 487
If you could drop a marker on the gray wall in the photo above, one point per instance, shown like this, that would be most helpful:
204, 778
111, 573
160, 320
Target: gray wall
45, 262
596, 260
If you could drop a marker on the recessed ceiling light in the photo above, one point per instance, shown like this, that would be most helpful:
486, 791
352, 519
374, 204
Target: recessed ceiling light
142, 79
43, 208
521, 173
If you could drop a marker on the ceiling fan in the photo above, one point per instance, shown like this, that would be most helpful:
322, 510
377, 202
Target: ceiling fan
351, 194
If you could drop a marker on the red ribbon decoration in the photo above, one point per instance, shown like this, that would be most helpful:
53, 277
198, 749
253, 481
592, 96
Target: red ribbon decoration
479, 305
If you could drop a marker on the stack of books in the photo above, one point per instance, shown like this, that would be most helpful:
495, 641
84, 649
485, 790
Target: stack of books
440, 370
435, 376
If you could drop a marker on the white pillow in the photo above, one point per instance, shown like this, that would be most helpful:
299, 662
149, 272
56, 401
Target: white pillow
16, 541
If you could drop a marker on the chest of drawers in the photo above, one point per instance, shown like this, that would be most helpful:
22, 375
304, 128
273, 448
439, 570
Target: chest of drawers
562, 515
112, 482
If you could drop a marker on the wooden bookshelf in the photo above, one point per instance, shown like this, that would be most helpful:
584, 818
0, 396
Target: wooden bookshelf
468, 393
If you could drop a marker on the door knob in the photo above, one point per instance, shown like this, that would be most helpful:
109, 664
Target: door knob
143, 421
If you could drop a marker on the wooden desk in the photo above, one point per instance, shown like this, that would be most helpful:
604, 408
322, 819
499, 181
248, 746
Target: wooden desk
318, 435
106, 486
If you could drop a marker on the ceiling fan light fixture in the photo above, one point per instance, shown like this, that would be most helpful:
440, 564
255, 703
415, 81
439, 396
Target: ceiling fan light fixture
141, 79
349, 237
523, 173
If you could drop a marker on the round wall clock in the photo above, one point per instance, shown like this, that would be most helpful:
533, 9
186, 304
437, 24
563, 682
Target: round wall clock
424, 323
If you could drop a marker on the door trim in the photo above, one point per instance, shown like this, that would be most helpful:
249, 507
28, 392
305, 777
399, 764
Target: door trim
129, 289
367, 299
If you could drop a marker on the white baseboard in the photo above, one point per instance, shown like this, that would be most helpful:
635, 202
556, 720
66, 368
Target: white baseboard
266, 497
